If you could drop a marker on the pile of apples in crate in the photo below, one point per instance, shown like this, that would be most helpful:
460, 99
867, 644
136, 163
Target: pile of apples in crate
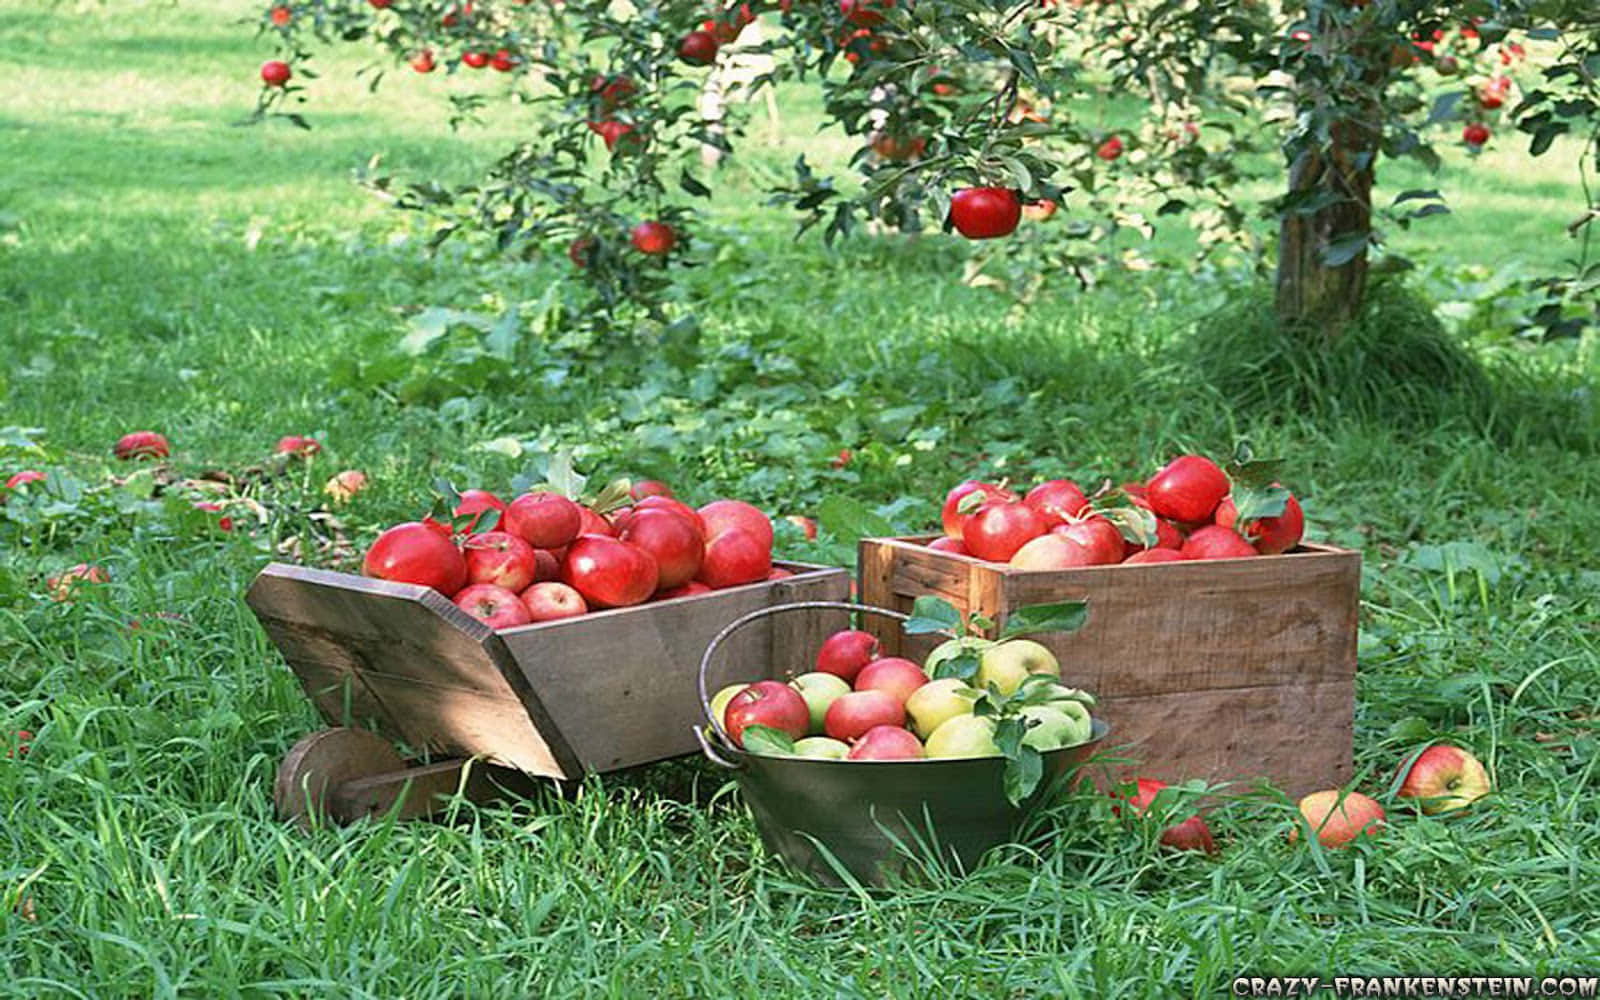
1190, 509
860, 706
542, 556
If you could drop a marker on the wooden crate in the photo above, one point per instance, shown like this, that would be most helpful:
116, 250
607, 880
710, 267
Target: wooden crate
1231, 670
600, 692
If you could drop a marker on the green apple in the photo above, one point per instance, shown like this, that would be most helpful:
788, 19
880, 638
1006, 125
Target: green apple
1007, 664
1079, 714
936, 701
963, 736
1060, 692
719, 702
821, 748
1051, 729
819, 690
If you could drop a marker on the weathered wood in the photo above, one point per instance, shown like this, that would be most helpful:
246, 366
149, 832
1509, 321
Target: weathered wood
425, 790
1282, 629
794, 638
595, 693
323, 761
623, 683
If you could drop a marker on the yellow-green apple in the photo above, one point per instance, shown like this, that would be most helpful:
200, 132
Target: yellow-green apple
1338, 817
886, 743
495, 606
844, 653
935, 702
1443, 778
552, 600
1006, 665
821, 748
726, 515
819, 690
964, 736
773, 704
1049, 728
500, 558
899, 677
543, 520
414, 553
852, 714
719, 702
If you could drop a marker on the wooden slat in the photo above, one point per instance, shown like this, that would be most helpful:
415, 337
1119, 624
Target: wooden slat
1298, 737
793, 638
415, 792
438, 680
622, 684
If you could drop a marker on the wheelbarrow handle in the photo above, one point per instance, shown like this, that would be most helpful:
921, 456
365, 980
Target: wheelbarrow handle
746, 619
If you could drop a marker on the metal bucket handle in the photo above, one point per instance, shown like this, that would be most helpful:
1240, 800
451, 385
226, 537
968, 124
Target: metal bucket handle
741, 622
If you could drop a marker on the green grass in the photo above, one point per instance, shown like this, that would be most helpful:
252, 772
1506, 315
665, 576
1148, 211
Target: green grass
230, 285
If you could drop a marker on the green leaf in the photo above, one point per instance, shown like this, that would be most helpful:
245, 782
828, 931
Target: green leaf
932, 614
446, 490
846, 518
692, 186
1257, 472
1136, 524
963, 664
1345, 249
767, 741
1065, 616
617, 493
562, 477
1256, 502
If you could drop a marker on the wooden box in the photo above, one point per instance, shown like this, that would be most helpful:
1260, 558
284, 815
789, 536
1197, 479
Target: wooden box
1226, 670
600, 692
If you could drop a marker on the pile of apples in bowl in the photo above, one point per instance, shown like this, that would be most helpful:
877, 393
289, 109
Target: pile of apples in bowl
543, 556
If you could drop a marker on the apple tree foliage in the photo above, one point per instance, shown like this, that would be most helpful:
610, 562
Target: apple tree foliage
1123, 114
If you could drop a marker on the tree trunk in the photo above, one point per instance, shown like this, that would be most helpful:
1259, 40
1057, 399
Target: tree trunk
1322, 274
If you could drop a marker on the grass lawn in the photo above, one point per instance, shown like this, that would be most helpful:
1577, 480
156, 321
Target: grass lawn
160, 268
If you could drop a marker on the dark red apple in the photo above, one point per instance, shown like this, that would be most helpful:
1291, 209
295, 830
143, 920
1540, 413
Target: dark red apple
1190, 835
414, 553
672, 540
851, 715
609, 572
766, 703
698, 47
495, 606
1187, 489
735, 557
501, 558
985, 213
999, 528
845, 653
551, 600
275, 72
543, 520
1270, 535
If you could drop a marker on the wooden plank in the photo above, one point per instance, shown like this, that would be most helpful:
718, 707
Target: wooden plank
793, 638
439, 680
876, 562
1298, 737
622, 684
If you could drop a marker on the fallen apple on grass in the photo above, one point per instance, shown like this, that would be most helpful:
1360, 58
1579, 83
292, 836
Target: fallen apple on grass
1444, 778
1338, 818
141, 444
65, 585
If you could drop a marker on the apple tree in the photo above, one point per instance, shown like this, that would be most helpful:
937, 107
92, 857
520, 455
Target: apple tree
1112, 115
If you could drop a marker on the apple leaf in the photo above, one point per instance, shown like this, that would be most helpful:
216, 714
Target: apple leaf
1254, 503
1255, 471
1066, 616
932, 614
971, 502
964, 664
445, 490
843, 517
1136, 524
767, 742
562, 477
618, 493
1024, 765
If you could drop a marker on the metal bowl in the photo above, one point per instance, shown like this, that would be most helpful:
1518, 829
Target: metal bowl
875, 821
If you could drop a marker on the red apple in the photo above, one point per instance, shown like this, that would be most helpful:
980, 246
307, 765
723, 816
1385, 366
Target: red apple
1110, 149
676, 507
1187, 489
475, 59
345, 485
724, 515
1144, 793
766, 703
779, 573
1444, 778
948, 544
296, 446
735, 557
893, 674
414, 553
999, 528
142, 444
504, 62
501, 558
886, 743
64, 584
591, 523
543, 520
1190, 835
1096, 534
689, 589
985, 213
212, 507
698, 47
21, 479
608, 572
845, 653
1216, 542
1269, 535
649, 488
422, 62
1475, 134
953, 515
805, 524
495, 606
1337, 823
552, 600
653, 238
1145, 556
864, 13
275, 73
672, 540
853, 714
547, 564
1053, 551
475, 502
1058, 501
24, 739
